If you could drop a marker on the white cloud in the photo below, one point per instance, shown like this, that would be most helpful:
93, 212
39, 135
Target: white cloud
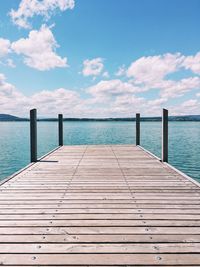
188, 107
93, 67
192, 63
189, 103
11, 100
68, 102
59, 100
157, 102
178, 88
125, 106
39, 50
29, 8
107, 98
71, 104
10, 63
5, 87
126, 101
151, 73
112, 88
105, 74
4, 47
121, 71
48, 102
153, 69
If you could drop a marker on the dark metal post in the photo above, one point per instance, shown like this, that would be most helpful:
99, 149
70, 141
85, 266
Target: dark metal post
137, 129
165, 135
60, 130
33, 134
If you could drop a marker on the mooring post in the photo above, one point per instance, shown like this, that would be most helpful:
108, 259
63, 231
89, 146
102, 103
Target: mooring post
137, 129
165, 135
33, 134
60, 129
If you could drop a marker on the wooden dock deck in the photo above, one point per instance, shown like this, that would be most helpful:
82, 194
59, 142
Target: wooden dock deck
112, 205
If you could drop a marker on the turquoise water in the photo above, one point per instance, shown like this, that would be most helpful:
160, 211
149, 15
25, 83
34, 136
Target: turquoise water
184, 145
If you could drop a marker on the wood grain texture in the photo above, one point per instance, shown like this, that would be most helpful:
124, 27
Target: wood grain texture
106, 205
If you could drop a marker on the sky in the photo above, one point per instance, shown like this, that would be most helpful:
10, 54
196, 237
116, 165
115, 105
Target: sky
99, 58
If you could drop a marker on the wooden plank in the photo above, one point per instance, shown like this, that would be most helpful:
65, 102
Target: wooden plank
100, 201
99, 211
113, 208
100, 222
175, 217
95, 198
99, 230
103, 238
39, 248
100, 259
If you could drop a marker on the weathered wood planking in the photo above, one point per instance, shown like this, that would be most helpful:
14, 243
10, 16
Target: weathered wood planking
99, 206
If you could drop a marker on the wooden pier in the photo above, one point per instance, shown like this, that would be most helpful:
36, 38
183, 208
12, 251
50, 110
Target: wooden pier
106, 205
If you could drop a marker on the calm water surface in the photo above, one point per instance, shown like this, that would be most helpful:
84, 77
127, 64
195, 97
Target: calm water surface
184, 145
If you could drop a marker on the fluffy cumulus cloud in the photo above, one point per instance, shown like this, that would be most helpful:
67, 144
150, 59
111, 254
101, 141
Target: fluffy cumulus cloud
112, 98
29, 8
145, 87
146, 74
193, 63
128, 105
39, 50
112, 88
4, 47
153, 69
105, 74
171, 89
152, 73
10, 63
69, 102
58, 101
188, 107
48, 102
121, 71
11, 100
93, 67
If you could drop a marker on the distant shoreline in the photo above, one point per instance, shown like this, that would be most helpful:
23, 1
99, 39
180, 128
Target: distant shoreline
7, 117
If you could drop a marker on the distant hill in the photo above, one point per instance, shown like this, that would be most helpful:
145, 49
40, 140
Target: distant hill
171, 118
185, 118
7, 117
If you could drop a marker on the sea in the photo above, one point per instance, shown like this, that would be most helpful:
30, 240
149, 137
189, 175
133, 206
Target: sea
184, 141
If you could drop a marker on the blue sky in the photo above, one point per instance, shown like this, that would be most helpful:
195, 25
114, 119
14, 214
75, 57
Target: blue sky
99, 58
